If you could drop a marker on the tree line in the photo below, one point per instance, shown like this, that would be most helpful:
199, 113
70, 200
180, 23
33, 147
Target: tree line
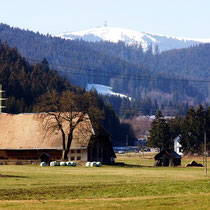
127, 108
191, 128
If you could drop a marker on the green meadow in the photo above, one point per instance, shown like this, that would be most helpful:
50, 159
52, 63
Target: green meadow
135, 185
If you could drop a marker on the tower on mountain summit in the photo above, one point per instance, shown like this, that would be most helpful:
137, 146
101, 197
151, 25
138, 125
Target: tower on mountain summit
105, 23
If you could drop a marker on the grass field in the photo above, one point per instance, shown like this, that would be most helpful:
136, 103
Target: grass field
137, 185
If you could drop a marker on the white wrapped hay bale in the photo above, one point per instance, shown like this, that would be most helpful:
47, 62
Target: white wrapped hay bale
68, 163
43, 164
99, 164
93, 164
74, 164
88, 164
54, 163
62, 163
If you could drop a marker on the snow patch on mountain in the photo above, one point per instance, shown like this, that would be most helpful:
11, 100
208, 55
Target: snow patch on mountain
130, 37
105, 90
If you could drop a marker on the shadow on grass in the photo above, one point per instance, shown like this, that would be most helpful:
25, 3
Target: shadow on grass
120, 164
11, 176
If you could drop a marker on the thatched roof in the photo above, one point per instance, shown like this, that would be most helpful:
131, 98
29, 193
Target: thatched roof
28, 131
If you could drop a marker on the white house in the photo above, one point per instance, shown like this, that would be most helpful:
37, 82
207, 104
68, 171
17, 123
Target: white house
178, 146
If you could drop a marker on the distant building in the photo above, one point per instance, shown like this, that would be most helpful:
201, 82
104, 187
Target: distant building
178, 146
24, 137
141, 142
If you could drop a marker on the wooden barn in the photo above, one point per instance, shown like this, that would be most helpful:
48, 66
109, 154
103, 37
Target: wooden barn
167, 158
25, 137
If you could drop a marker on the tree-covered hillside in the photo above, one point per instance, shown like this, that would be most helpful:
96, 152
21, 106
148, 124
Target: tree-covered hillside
82, 62
25, 85
191, 63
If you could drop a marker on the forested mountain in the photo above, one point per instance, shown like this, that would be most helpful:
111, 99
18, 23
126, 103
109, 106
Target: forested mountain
24, 84
128, 70
191, 63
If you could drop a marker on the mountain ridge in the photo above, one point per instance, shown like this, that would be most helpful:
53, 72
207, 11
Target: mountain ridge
99, 63
131, 37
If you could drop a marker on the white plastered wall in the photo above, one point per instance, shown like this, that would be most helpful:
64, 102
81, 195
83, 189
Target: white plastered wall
82, 154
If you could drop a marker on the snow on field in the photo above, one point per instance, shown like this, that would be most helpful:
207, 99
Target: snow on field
104, 90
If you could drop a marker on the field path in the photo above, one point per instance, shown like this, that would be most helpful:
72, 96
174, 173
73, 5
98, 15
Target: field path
106, 199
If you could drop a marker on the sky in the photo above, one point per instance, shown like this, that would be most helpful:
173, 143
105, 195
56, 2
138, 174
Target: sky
180, 18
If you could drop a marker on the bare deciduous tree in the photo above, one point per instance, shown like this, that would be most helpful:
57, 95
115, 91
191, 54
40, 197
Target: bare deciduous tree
69, 109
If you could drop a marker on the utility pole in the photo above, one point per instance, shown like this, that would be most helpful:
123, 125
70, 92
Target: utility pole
205, 153
127, 144
1, 99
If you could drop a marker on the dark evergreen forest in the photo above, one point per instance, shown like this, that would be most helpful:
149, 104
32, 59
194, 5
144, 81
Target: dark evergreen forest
192, 129
129, 70
191, 63
127, 109
24, 84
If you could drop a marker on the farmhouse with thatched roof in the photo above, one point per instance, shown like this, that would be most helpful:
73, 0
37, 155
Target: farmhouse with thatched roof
25, 137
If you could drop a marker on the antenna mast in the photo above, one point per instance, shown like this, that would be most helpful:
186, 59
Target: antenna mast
105, 23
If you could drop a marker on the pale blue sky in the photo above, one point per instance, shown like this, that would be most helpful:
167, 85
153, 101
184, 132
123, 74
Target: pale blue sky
182, 18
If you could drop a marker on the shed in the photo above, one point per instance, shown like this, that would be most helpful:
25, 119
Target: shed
45, 157
167, 158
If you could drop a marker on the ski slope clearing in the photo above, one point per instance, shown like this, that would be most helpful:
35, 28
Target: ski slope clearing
104, 90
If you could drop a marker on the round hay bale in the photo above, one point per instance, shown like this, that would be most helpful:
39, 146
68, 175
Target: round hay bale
57, 163
74, 164
99, 164
43, 164
68, 163
88, 164
53, 163
62, 163
93, 164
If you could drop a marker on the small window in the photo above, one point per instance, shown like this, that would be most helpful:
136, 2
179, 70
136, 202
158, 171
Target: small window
72, 151
72, 158
78, 151
78, 158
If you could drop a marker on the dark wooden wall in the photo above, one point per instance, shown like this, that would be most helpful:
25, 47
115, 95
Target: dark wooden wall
100, 149
33, 154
